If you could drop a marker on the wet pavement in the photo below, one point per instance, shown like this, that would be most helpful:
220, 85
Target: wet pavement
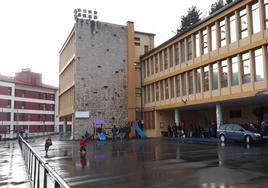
13, 173
158, 163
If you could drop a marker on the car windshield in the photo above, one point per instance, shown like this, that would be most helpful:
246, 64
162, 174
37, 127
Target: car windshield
249, 128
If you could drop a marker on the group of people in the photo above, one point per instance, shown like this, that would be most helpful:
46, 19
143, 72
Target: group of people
176, 131
121, 132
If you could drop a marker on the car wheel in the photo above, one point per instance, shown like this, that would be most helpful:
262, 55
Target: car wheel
248, 139
222, 138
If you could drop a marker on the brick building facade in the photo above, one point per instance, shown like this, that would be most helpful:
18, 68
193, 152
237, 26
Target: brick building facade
27, 104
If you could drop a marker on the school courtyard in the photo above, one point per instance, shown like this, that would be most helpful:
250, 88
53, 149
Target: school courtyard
157, 163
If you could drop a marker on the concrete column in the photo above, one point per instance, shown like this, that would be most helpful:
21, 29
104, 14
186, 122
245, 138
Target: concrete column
73, 128
12, 117
219, 114
177, 116
64, 125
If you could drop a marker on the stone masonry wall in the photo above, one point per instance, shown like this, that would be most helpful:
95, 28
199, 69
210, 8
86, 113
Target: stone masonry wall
101, 74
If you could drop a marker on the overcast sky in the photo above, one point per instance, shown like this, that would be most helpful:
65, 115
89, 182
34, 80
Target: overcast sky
33, 31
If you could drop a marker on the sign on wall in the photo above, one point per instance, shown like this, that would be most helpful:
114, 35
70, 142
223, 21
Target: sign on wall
81, 114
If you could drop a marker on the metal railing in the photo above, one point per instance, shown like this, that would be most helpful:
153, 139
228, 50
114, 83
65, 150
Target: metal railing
39, 171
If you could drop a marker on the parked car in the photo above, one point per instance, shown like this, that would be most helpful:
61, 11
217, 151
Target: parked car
239, 132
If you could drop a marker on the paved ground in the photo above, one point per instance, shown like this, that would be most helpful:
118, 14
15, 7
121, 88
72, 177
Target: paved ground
12, 167
159, 163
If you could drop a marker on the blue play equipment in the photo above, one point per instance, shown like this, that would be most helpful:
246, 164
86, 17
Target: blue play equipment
139, 131
101, 136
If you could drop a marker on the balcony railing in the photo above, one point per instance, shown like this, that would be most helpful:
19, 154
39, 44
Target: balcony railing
40, 173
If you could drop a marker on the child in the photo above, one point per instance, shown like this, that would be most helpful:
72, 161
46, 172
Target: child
48, 143
83, 144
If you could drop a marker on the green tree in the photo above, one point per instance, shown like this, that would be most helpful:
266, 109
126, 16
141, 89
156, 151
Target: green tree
192, 17
218, 5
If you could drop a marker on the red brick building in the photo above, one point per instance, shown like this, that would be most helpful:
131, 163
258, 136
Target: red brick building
27, 104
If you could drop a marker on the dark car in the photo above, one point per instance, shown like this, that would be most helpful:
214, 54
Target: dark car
238, 132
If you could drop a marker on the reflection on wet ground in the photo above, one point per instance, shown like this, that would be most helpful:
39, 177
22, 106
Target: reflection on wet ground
12, 166
158, 163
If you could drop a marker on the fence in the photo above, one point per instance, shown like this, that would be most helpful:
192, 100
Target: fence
39, 171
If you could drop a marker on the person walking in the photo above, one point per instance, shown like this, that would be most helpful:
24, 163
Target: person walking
175, 130
114, 132
83, 144
48, 143
169, 131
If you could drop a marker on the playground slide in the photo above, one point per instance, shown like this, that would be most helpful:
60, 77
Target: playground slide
101, 136
139, 131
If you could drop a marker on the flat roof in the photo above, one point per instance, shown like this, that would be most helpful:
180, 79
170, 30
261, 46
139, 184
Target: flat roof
13, 80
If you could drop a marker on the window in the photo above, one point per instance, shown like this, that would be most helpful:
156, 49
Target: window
206, 78
259, 71
52, 107
236, 127
24, 93
153, 93
144, 69
148, 94
205, 41
222, 33
182, 51
232, 28
176, 54
165, 59
234, 67
197, 45
255, 18
198, 80
162, 89
213, 37
9, 91
137, 38
266, 13
148, 67
24, 104
243, 23
246, 68
178, 84
189, 48
224, 74
171, 87
9, 104
145, 95
183, 82
152, 65
190, 82
138, 92
166, 89
161, 61
146, 48
137, 44
156, 64
215, 76
157, 91
171, 56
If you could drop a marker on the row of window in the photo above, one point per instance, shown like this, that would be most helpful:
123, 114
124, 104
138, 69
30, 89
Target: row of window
6, 116
229, 29
33, 94
244, 68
